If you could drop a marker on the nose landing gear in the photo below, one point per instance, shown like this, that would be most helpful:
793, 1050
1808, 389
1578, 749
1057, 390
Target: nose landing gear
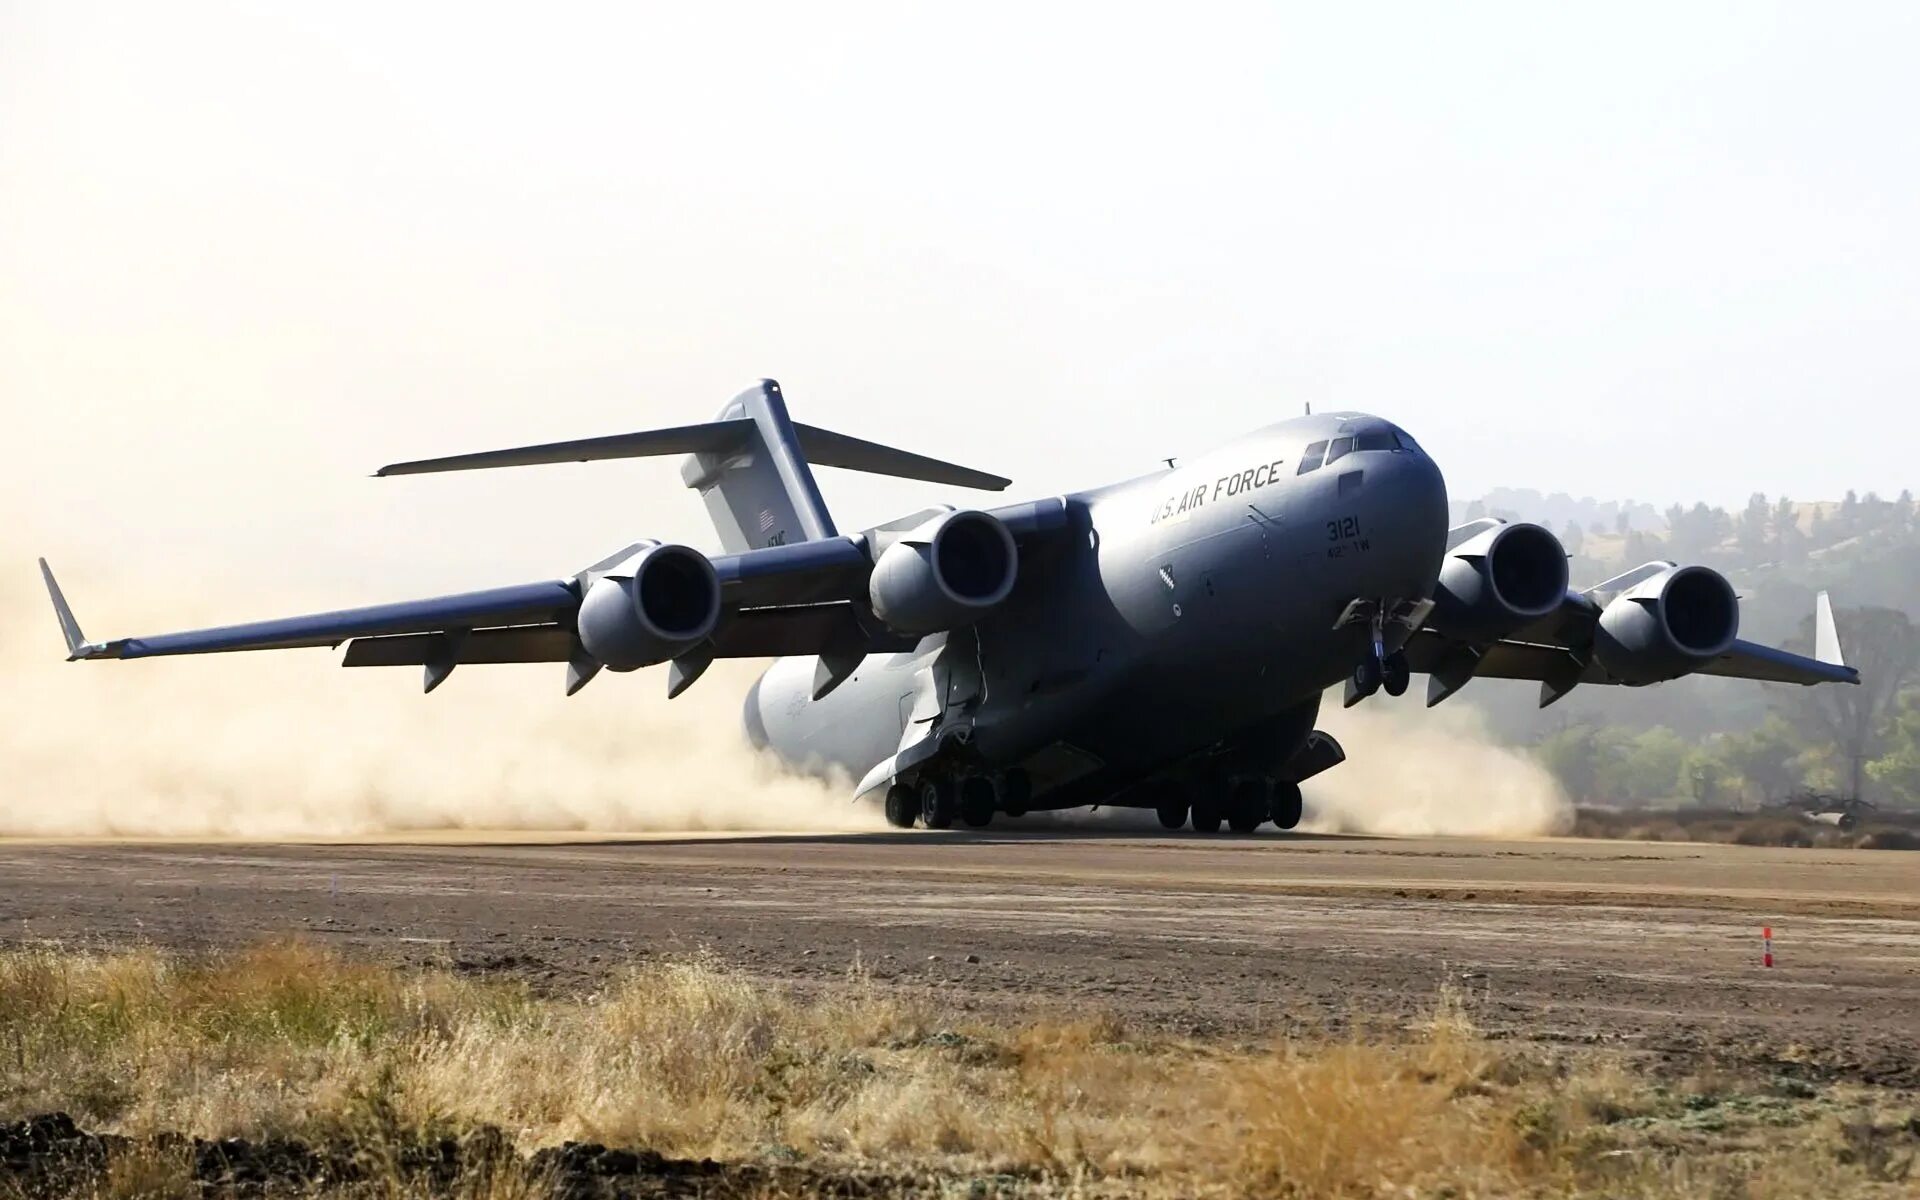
1380, 668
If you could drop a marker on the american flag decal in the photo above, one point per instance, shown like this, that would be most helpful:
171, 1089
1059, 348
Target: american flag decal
766, 520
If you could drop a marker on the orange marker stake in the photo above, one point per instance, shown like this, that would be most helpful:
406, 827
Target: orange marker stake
1766, 944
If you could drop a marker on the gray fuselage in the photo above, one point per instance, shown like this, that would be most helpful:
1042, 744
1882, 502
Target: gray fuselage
1189, 609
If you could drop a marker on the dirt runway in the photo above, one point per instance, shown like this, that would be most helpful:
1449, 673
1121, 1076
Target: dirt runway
1655, 947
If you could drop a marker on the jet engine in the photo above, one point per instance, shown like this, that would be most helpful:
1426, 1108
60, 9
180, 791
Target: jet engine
1668, 625
1498, 582
650, 608
947, 573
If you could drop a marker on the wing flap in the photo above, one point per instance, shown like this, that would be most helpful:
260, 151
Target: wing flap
518, 644
1427, 650
804, 629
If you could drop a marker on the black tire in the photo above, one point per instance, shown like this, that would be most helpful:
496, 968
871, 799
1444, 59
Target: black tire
902, 806
1205, 817
1286, 805
1366, 676
1016, 792
1396, 674
977, 798
1172, 814
936, 801
1247, 805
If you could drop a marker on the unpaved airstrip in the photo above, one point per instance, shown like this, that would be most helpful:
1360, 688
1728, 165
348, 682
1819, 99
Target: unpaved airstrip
1655, 948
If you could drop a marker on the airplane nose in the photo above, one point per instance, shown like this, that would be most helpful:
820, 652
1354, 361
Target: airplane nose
1419, 494
1406, 508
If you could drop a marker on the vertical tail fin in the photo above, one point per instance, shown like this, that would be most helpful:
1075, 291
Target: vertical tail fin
761, 491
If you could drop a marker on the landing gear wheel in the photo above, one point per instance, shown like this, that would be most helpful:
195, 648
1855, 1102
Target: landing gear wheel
977, 801
1016, 792
1170, 796
1367, 674
902, 806
1206, 816
936, 801
1286, 805
1395, 674
1247, 805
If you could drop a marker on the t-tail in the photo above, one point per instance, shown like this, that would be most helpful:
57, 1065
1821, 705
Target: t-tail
752, 464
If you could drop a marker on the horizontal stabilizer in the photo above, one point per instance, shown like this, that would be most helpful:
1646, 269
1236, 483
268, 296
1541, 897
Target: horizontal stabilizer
825, 448
822, 448
684, 439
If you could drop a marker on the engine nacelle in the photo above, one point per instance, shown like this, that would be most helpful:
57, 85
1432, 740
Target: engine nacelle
1666, 626
650, 608
1498, 582
950, 572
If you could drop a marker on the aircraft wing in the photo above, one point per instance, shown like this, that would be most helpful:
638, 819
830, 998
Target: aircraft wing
1558, 652
804, 598
518, 606
1539, 660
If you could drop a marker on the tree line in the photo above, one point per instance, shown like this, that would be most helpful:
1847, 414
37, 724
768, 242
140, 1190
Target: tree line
1719, 743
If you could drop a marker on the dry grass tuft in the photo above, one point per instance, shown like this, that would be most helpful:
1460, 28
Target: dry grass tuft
691, 1059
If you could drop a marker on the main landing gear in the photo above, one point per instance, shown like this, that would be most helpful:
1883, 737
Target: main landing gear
1242, 804
902, 806
936, 799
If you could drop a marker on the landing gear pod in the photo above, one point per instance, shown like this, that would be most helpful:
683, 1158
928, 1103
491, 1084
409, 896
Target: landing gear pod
650, 608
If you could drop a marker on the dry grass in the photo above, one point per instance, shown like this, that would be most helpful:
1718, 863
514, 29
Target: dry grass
693, 1060
1770, 827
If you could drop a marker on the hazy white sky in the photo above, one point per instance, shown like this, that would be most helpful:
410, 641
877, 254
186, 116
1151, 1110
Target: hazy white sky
250, 252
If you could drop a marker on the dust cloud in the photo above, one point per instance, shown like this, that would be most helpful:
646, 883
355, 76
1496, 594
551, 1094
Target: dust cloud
285, 744
1414, 771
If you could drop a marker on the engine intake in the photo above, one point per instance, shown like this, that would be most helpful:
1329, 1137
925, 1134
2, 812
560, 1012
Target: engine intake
1498, 582
657, 604
1667, 626
947, 573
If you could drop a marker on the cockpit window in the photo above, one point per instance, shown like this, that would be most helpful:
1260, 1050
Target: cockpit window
1375, 439
1405, 443
1338, 448
1310, 461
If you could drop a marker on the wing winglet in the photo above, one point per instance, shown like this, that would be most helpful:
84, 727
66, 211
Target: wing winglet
1826, 635
78, 647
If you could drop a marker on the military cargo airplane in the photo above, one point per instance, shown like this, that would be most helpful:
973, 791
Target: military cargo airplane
1162, 643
